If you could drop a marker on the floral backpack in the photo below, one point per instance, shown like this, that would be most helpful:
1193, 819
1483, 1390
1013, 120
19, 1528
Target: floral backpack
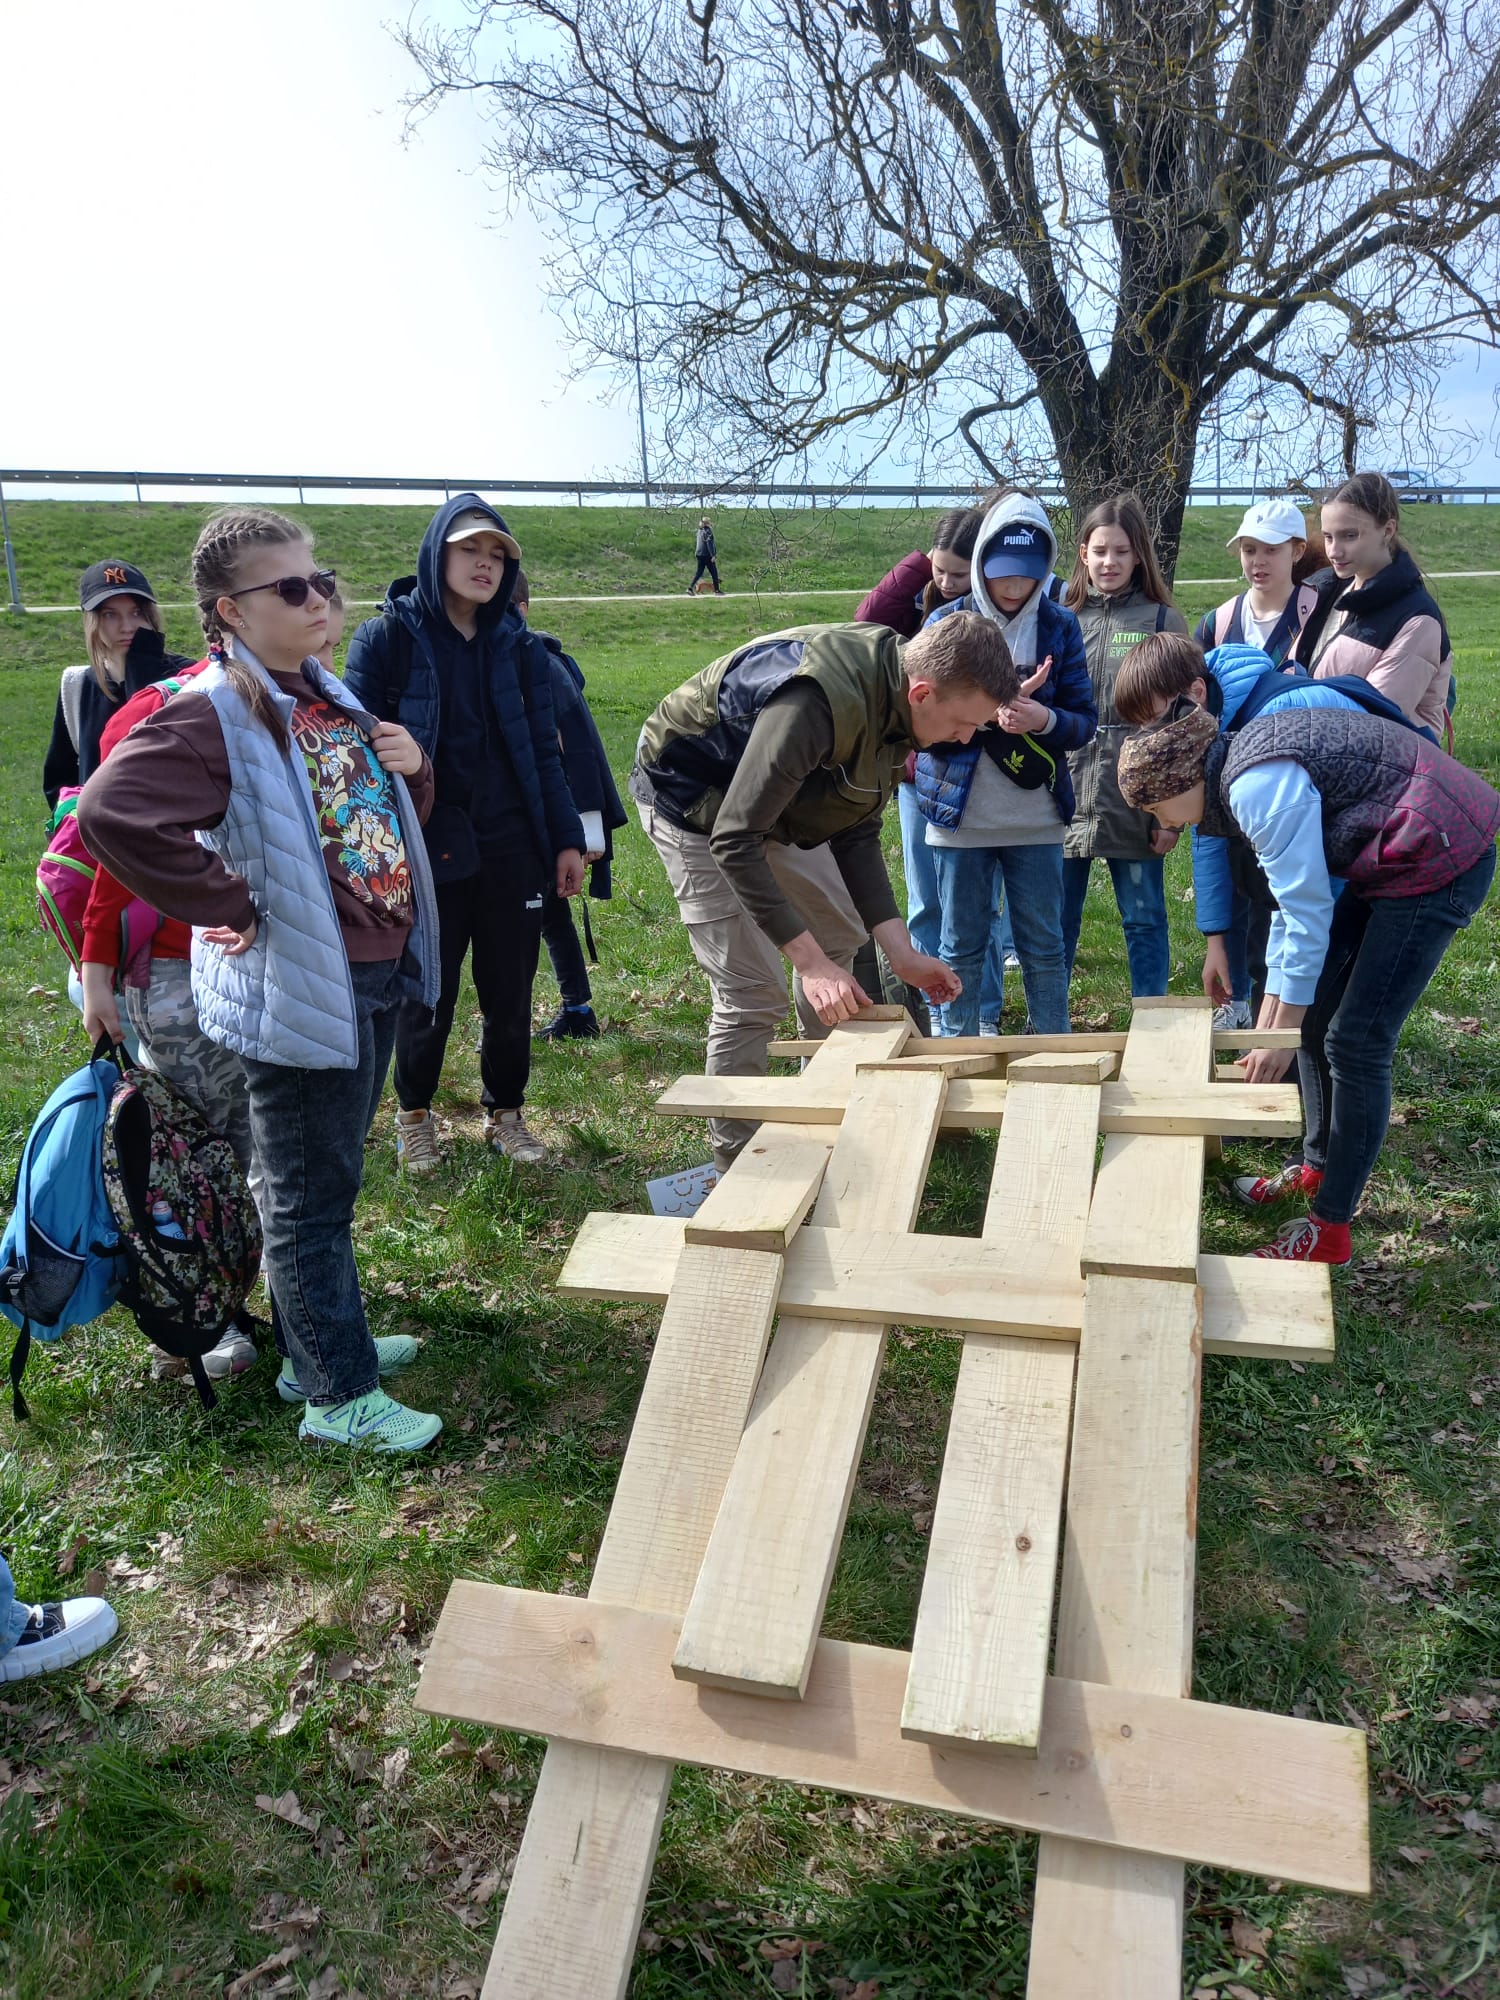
187, 1224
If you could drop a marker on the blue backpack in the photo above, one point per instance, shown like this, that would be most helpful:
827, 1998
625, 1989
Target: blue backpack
61, 1261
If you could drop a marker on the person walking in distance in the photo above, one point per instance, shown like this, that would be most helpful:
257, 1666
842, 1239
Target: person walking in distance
706, 551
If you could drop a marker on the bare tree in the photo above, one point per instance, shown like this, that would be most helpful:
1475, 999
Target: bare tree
1057, 232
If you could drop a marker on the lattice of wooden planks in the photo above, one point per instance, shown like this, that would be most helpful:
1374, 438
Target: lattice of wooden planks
1049, 1677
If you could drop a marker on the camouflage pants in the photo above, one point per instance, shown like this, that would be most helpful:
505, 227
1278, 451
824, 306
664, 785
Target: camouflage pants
173, 1044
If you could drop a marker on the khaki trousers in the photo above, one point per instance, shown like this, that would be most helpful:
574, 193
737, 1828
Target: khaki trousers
746, 973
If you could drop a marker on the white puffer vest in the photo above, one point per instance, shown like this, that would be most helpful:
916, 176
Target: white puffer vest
289, 998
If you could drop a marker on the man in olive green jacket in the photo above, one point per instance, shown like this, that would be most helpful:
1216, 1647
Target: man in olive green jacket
762, 781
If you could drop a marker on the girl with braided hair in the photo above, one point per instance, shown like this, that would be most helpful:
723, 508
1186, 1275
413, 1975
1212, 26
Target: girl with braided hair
282, 821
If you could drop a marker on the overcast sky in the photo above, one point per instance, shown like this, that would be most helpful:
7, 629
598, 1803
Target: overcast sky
219, 255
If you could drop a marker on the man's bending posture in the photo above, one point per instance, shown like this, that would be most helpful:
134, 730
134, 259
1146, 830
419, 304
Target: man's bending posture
762, 782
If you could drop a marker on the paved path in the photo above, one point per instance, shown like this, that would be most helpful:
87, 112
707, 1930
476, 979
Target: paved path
672, 596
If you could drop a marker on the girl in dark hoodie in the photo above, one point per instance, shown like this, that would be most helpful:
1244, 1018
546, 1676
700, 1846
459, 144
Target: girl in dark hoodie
451, 659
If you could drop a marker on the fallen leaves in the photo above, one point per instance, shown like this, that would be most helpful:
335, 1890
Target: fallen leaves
288, 1807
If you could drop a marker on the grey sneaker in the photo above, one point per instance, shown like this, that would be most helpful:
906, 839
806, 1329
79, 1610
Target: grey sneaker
416, 1142
233, 1355
167, 1367
508, 1134
1233, 1014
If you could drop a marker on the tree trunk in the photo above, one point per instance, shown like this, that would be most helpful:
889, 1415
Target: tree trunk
1137, 435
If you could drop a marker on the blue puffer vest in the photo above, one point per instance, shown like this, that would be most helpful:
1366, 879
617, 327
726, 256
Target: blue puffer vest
289, 998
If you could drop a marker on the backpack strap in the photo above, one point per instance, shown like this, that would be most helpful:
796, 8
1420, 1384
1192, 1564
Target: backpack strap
1229, 620
19, 1355
1161, 616
201, 1383
72, 700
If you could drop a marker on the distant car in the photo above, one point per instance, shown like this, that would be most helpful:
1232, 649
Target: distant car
1412, 485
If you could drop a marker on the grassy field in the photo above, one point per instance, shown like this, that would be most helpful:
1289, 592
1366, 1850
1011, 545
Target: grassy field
572, 551
274, 1606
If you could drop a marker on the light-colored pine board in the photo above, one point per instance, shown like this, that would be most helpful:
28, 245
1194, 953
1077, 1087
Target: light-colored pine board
984, 1621
1021, 1045
1252, 1308
1261, 1794
1249, 1312
1107, 1926
758, 1604
1173, 1003
1147, 1208
1183, 1110
949, 1065
1061, 1067
762, 1210
1110, 1926
585, 1861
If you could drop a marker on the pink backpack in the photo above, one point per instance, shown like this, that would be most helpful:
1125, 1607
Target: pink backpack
64, 877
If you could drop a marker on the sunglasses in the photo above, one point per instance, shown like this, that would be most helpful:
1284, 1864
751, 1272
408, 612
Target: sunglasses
293, 590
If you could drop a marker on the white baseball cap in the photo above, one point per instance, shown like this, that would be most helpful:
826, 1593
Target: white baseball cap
474, 522
1270, 521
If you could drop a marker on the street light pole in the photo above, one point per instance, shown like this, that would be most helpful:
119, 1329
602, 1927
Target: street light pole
640, 392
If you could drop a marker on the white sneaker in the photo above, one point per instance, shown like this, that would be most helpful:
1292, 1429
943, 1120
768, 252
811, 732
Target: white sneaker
1011, 963
508, 1134
1233, 1014
416, 1142
59, 1635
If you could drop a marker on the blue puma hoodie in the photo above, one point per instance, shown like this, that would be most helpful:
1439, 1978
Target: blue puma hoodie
480, 707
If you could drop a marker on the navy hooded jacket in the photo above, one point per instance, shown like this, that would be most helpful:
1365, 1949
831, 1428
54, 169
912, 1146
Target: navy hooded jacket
400, 675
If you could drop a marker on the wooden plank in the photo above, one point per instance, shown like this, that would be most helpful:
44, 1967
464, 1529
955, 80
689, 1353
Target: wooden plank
1105, 1926
1173, 1003
758, 1604
1147, 1209
1063, 1068
948, 1065
762, 1210
1252, 1308
984, 1622
1285, 1318
1260, 1794
1022, 1045
1183, 1110
585, 1863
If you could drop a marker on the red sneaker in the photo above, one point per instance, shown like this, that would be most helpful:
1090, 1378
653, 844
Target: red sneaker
1309, 1241
1261, 1190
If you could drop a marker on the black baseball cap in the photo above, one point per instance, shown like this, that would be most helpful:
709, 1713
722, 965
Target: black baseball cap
103, 580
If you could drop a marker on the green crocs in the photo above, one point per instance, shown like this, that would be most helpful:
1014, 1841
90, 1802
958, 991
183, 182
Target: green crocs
376, 1422
396, 1350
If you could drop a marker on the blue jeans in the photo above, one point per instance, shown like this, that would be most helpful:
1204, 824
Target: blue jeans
1381, 954
1142, 902
308, 1127
13, 1614
924, 916
970, 883
1237, 947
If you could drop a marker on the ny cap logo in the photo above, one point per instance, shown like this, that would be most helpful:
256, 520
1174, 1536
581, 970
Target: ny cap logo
115, 573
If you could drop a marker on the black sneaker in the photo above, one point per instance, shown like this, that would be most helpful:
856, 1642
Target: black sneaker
59, 1635
578, 1024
